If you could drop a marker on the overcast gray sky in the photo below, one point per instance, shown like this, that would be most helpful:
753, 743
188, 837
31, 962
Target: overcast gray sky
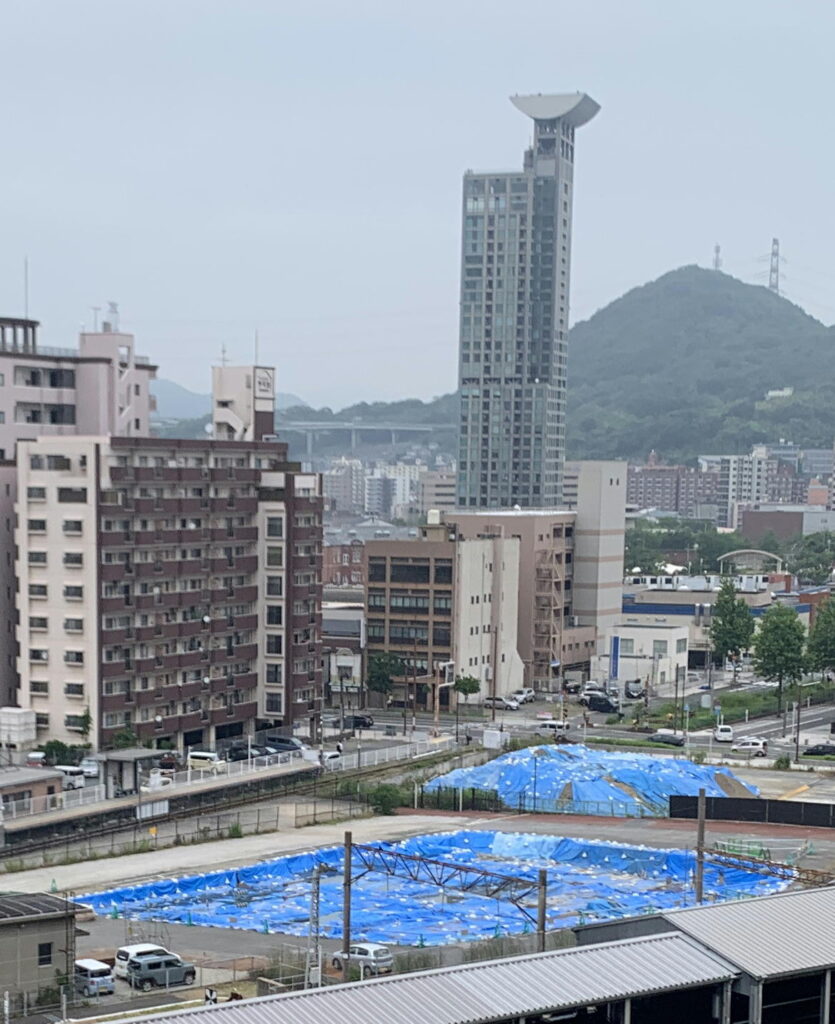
218, 166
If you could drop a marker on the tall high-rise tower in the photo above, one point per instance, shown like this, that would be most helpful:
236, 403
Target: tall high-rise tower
515, 271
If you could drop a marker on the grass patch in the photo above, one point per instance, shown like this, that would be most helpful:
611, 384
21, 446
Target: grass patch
735, 704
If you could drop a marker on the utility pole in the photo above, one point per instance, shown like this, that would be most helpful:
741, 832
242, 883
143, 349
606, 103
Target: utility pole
541, 902
700, 848
313, 966
717, 258
346, 903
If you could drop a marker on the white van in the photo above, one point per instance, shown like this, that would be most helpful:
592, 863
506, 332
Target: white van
206, 761
723, 734
93, 978
141, 949
552, 728
73, 776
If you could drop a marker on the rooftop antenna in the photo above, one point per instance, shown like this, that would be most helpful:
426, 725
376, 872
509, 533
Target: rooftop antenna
717, 258
223, 355
26, 287
774, 267
96, 310
113, 315
256, 347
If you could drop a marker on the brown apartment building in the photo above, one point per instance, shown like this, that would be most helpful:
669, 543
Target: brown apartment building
167, 588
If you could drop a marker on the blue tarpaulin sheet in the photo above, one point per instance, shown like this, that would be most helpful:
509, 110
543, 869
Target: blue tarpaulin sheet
577, 778
587, 881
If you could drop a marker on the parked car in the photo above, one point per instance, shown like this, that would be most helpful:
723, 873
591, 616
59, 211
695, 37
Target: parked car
634, 689
723, 734
73, 776
820, 750
243, 751
36, 759
93, 978
90, 766
753, 745
369, 957
572, 686
524, 695
285, 744
126, 953
672, 739
357, 722
206, 761
591, 690
330, 760
169, 761
149, 971
503, 703
603, 702
553, 728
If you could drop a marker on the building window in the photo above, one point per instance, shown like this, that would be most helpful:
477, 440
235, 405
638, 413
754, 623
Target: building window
274, 615
77, 723
275, 586
72, 495
273, 704
72, 526
38, 654
39, 686
36, 493
74, 689
74, 625
38, 622
627, 645
275, 557
275, 527
41, 720
681, 645
37, 526
38, 590
73, 657
74, 593
73, 558
659, 648
37, 558
44, 954
275, 644
274, 674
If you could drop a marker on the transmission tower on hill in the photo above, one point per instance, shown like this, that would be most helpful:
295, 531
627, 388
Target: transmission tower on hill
774, 267
717, 257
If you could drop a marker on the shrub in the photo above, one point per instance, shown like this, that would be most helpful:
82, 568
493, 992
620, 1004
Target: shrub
385, 798
782, 763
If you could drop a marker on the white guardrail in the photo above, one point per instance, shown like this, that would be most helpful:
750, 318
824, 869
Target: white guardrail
161, 786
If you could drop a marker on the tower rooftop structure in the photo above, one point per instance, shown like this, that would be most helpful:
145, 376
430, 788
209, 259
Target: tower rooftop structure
575, 108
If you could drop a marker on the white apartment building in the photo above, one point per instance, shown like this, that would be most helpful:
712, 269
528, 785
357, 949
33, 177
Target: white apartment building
100, 388
655, 653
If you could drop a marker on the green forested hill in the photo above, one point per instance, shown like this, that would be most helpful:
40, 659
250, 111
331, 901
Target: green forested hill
682, 365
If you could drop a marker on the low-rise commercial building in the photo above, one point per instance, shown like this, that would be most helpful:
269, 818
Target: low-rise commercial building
444, 599
653, 652
37, 939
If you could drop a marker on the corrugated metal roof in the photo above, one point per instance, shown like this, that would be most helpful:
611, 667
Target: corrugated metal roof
768, 936
14, 905
490, 990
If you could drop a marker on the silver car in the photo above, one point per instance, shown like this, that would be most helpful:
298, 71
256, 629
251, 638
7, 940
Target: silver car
369, 957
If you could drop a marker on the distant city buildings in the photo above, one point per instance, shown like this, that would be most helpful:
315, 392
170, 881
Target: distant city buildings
515, 271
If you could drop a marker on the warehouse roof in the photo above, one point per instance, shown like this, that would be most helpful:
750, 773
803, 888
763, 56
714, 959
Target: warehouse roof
492, 989
744, 931
17, 905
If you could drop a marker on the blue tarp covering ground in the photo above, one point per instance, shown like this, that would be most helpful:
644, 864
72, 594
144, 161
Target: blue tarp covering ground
587, 881
577, 778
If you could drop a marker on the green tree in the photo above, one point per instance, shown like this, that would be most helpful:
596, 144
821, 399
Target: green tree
86, 723
779, 648
125, 738
732, 625
643, 550
383, 667
821, 647
466, 685
811, 558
